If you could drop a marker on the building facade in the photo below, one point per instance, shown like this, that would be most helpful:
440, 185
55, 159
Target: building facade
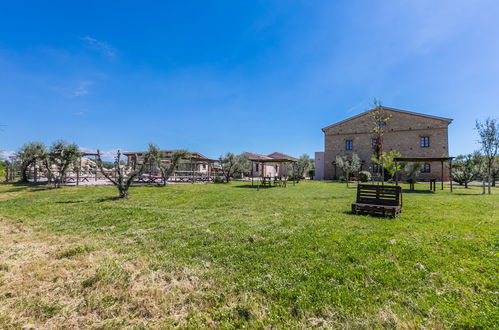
411, 134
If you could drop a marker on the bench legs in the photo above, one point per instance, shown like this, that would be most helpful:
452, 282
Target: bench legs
392, 212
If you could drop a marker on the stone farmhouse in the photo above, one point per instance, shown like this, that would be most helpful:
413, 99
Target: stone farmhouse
411, 134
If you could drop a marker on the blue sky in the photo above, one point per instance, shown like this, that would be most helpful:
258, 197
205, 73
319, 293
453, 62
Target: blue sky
218, 76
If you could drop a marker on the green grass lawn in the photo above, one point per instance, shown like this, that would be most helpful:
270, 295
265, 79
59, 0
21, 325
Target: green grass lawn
229, 255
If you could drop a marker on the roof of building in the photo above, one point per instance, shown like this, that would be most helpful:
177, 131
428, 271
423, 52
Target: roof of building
275, 157
280, 155
254, 156
449, 120
194, 155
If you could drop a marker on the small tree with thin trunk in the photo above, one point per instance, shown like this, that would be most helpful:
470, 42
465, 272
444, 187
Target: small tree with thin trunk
165, 166
348, 166
61, 156
489, 141
229, 165
121, 180
387, 160
379, 119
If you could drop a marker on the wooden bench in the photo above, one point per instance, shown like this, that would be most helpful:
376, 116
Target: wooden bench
378, 200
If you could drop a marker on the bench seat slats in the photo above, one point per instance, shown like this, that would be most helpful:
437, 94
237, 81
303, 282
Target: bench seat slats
378, 199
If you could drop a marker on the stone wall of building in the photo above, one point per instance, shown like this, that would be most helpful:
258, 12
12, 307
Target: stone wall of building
402, 133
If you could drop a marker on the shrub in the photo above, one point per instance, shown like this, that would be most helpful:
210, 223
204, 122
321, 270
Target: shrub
218, 179
364, 176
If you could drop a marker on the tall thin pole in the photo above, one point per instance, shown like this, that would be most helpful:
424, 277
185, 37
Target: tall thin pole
252, 167
442, 172
396, 173
78, 173
450, 173
192, 171
35, 172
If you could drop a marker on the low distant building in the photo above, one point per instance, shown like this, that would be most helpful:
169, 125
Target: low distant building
196, 162
268, 168
412, 134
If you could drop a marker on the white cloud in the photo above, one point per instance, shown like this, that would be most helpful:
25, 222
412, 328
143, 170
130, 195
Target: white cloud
5, 154
104, 48
107, 155
82, 89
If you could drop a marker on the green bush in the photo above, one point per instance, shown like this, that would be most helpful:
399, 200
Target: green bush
364, 176
218, 179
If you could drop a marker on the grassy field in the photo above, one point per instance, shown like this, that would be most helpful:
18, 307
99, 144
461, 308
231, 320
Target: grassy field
232, 256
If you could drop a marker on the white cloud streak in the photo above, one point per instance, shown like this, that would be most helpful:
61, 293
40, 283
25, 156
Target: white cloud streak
104, 48
82, 89
107, 155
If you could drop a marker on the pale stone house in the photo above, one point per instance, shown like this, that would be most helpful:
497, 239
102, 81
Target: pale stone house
267, 167
411, 134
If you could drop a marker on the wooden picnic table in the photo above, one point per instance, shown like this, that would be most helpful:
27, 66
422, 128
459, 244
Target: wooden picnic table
266, 181
280, 181
276, 181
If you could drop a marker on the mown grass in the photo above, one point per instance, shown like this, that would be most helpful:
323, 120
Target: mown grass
288, 257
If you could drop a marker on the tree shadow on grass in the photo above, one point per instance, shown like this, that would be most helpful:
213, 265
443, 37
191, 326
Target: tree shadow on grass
22, 186
328, 198
366, 215
408, 191
106, 199
248, 186
467, 194
69, 202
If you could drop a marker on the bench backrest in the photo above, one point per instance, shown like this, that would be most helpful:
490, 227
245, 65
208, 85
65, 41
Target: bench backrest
379, 195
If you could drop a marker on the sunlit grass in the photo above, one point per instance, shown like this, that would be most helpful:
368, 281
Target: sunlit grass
278, 256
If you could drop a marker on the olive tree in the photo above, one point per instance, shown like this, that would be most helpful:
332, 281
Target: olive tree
58, 160
28, 156
243, 165
412, 170
156, 157
466, 169
122, 179
302, 166
489, 141
348, 166
229, 164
